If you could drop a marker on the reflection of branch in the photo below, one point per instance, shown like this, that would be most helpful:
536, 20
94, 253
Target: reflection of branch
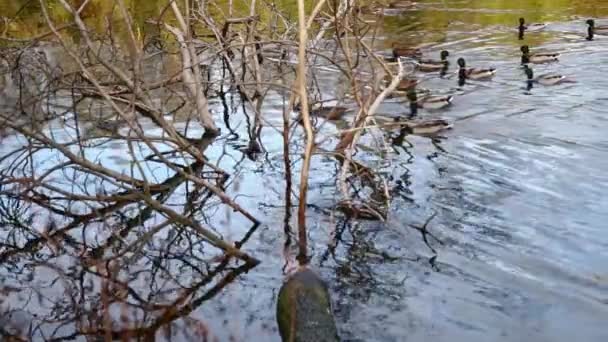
182, 306
424, 231
168, 187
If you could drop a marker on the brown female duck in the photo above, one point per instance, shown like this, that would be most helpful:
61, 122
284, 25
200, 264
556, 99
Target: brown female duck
400, 51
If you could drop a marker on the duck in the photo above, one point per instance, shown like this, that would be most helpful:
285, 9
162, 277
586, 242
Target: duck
592, 29
530, 27
404, 84
427, 128
407, 84
406, 52
546, 79
537, 58
367, 9
331, 113
402, 4
474, 73
430, 65
399, 94
591, 23
435, 102
110, 125
318, 109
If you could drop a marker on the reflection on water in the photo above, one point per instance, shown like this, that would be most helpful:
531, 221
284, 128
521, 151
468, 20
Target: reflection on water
517, 250
119, 270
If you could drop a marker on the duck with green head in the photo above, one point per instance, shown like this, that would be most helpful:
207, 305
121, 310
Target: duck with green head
545, 79
431, 65
592, 29
537, 58
530, 27
465, 73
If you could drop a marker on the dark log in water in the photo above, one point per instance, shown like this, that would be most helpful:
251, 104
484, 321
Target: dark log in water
304, 309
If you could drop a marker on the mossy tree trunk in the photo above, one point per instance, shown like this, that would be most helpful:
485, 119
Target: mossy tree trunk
304, 309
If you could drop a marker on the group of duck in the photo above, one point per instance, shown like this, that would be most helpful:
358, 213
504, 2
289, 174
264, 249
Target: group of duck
419, 99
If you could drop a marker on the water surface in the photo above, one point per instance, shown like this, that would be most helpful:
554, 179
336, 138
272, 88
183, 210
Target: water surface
519, 187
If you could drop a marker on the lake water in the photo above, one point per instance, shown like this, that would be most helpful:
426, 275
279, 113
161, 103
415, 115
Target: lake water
519, 186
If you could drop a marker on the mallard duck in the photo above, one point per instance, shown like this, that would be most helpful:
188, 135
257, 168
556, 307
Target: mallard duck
435, 102
592, 29
546, 79
474, 73
401, 4
430, 65
537, 58
429, 127
406, 52
399, 94
319, 110
530, 27
329, 113
591, 23
367, 9
111, 126
404, 84
407, 84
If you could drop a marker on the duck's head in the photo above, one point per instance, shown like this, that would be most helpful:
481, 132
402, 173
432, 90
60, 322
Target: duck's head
590, 29
444, 54
521, 21
525, 49
461, 62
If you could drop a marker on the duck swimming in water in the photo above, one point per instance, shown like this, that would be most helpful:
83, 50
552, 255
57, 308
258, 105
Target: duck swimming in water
546, 79
592, 29
430, 65
407, 84
406, 52
329, 113
537, 58
428, 128
530, 27
591, 22
473, 73
435, 102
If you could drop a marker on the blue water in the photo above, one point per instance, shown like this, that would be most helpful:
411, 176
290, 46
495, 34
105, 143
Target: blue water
518, 187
